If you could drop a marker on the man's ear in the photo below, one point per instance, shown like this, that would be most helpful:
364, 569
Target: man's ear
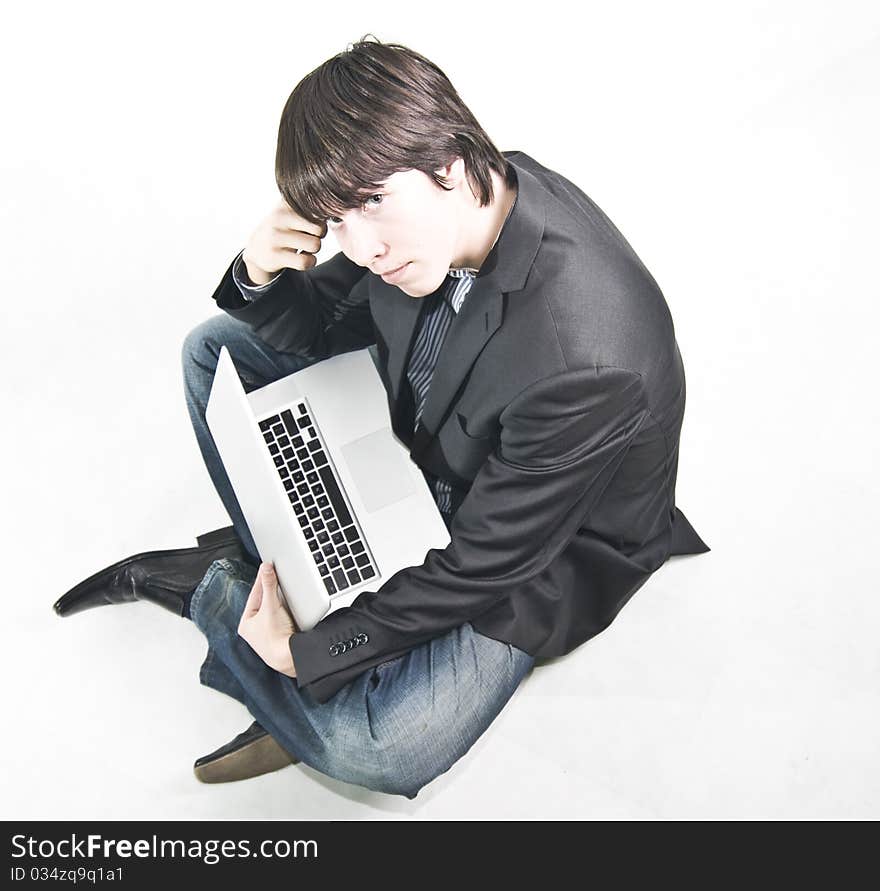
453, 173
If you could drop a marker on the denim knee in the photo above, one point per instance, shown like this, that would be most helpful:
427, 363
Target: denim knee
405, 764
391, 776
195, 352
399, 778
359, 750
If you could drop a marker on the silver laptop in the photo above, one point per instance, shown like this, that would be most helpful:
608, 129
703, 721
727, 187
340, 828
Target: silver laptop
330, 495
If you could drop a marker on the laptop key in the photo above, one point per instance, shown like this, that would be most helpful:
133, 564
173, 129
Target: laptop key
347, 563
319, 458
351, 533
362, 559
367, 572
354, 577
335, 496
331, 588
357, 547
289, 423
340, 579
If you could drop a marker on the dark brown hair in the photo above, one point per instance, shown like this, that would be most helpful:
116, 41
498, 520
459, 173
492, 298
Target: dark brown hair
370, 111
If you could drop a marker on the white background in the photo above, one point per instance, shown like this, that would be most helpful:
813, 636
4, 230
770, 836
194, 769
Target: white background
735, 147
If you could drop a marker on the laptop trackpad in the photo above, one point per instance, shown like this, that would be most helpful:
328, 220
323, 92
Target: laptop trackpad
374, 462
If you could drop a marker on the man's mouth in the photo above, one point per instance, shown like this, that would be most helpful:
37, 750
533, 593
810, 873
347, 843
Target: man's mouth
395, 274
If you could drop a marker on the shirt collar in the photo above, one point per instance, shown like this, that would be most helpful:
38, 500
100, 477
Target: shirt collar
456, 290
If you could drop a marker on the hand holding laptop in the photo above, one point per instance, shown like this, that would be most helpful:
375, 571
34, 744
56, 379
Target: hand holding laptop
282, 240
266, 623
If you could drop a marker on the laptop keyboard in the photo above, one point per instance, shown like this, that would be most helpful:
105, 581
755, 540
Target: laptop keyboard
314, 492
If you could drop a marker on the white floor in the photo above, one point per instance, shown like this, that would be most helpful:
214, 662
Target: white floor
738, 684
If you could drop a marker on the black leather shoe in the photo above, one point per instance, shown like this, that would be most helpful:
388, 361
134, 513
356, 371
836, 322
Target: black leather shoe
250, 754
161, 577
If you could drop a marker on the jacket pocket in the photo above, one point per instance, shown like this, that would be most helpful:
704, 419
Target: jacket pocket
463, 452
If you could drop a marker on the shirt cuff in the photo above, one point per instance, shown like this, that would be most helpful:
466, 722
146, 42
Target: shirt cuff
248, 289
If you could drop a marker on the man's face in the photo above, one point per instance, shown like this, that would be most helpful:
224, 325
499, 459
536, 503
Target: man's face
410, 220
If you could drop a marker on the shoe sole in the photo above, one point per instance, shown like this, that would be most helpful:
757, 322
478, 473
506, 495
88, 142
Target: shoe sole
261, 756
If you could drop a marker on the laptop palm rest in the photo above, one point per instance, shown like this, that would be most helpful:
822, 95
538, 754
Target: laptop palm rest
374, 463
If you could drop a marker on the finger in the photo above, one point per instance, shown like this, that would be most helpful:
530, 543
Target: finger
289, 258
255, 598
270, 584
286, 218
292, 239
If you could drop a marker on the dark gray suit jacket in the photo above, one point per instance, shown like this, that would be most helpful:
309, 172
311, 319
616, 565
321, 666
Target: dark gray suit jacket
554, 411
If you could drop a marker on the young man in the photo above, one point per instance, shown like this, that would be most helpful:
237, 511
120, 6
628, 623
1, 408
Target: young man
531, 366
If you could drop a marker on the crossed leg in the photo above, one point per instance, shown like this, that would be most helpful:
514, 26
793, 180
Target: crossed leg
395, 727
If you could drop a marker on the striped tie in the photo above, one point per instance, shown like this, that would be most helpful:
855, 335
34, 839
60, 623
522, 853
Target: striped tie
439, 315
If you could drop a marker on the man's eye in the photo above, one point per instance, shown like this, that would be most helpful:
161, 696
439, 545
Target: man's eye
372, 200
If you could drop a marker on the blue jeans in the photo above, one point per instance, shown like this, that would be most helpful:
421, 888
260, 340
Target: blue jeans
395, 727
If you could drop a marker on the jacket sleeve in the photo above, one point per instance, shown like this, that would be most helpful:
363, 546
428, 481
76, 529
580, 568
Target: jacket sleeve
248, 289
562, 439
316, 313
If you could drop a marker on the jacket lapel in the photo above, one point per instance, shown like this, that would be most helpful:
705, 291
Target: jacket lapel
479, 318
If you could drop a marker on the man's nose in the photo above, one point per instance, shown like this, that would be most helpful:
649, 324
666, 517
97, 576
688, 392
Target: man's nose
365, 247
